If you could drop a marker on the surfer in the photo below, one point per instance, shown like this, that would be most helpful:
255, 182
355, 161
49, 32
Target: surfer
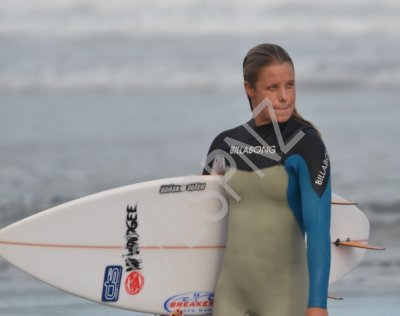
278, 172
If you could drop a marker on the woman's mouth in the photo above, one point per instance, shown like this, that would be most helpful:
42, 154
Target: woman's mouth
282, 108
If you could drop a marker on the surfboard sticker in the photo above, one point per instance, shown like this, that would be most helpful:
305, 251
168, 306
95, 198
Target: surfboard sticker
191, 303
134, 283
112, 283
179, 188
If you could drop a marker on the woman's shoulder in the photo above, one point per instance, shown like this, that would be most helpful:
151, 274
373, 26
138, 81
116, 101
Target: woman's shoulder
303, 133
306, 141
296, 124
309, 153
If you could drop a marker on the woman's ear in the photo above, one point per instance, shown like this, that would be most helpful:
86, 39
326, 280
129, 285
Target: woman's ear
249, 89
250, 93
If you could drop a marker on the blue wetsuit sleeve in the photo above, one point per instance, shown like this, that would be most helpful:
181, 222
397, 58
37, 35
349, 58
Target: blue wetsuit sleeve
309, 193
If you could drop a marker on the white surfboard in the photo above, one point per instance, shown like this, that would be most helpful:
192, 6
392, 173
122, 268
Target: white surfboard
150, 247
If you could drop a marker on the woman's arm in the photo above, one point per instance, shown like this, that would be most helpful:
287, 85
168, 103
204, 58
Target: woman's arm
309, 164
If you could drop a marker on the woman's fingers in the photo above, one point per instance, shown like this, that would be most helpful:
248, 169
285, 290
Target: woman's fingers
178, 312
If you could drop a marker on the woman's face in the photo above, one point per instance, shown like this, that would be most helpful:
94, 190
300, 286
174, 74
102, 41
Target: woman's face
278, 84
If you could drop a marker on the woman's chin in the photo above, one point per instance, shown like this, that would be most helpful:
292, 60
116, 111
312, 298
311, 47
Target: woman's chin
283, 118
284, 115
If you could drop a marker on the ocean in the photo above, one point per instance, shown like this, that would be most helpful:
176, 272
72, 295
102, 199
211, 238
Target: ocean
100, 94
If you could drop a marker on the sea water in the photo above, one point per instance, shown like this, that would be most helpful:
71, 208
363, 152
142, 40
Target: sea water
99, 94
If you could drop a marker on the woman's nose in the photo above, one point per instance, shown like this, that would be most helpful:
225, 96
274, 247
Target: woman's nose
283, 95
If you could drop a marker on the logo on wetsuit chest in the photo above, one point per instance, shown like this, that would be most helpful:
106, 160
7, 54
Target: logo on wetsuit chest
241, 150
322, 172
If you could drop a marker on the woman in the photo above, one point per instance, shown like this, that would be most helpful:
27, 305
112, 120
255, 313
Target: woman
278, 168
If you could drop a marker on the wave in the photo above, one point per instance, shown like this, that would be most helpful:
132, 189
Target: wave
114, 81
379, 207
124, 45
386, 263
77, 19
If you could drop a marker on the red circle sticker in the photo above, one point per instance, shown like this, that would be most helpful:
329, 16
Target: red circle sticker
134, 283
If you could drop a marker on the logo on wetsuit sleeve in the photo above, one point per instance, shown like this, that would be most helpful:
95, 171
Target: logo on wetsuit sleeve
323, 170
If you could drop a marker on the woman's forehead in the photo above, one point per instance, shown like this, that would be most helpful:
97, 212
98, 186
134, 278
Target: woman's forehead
276, 73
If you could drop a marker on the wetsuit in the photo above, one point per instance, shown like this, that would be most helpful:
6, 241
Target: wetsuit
278, 193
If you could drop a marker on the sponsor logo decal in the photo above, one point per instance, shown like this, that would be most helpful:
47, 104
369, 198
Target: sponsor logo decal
176, 188
261, 150
322, 172
192, 303
134, 283
111, 284
135, 280
132, 261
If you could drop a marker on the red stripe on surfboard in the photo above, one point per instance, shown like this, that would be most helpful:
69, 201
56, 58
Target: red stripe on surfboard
27, 244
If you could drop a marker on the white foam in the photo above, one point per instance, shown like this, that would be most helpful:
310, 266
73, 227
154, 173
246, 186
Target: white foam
77, 18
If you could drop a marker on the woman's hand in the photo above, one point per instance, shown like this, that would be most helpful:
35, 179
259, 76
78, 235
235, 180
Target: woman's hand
315, 311
178, 312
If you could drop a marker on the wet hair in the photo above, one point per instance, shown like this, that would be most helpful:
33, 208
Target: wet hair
266, 55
